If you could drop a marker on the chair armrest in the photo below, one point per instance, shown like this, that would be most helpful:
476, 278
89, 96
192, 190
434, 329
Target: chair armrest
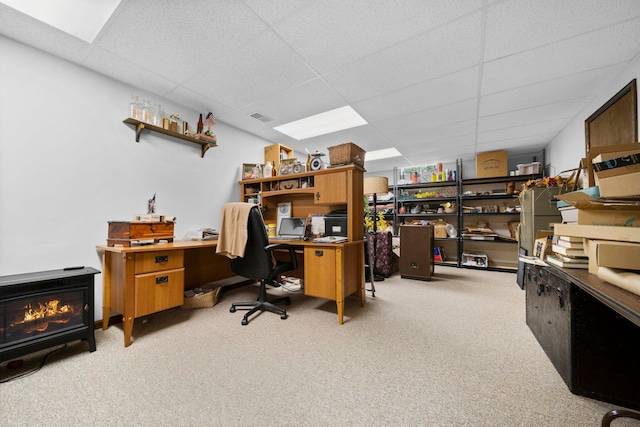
292, 252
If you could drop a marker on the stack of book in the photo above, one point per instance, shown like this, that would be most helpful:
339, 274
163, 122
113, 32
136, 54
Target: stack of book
568, 252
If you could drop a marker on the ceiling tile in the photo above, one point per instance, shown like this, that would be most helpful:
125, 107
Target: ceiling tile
260, 68
273, 11
587, 52
517, 132
426, 95
39, 35
543, 113
515, 26
574, 86
297, 102
446, 50
126, 71
177, 42
331, 33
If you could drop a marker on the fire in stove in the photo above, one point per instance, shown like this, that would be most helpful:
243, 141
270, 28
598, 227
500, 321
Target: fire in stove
40, 318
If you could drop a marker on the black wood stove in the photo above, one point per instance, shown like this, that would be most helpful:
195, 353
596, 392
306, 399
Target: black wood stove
44, 309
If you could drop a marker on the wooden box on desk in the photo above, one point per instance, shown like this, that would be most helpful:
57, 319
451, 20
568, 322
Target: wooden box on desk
125, 232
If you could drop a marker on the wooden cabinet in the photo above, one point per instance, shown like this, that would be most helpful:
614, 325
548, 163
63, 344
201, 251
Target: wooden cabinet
331, 188
159, 281
158, 291
416, 252
320, 265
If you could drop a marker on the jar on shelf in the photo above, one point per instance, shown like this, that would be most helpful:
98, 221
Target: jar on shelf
146, 112
134, 108
156, 118
268, 168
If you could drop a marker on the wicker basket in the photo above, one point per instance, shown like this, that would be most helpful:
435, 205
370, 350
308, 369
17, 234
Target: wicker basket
345, 154
204, 300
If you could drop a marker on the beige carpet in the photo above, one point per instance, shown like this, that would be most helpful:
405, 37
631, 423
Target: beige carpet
451, 352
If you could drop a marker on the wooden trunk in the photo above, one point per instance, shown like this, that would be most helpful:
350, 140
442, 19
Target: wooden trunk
125, 232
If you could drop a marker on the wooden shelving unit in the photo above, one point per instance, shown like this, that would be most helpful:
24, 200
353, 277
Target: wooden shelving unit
140, 126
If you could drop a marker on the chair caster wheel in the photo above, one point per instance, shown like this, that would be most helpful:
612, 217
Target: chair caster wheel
283, 316
232, 309
244, 322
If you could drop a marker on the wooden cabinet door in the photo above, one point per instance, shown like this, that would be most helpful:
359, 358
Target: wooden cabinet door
331, 188
320, 272
158, 291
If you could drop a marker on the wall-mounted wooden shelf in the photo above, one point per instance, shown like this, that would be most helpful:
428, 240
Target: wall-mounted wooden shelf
139, 126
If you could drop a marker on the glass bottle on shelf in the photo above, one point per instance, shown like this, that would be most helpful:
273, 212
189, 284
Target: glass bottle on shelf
156, 119
134, 108
200, 124
146, 111
267, 169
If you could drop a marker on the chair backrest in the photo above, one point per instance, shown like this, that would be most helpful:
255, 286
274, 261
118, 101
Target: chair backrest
257, 262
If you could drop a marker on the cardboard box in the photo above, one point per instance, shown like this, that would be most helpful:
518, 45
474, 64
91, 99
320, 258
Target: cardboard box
440, 230
612, 217
607, 253
475, 260
603, 157
542, 247
619, 182
596, 151
529, 168
601, 232
491, 164
598, 211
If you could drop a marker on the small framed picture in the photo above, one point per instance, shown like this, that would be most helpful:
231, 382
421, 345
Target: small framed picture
251, 171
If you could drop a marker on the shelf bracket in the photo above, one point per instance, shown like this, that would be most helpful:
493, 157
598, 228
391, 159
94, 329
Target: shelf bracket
204, 149
139, 128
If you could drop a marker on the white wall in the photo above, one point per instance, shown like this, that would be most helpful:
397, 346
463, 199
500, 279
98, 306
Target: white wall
68, 164
566, 150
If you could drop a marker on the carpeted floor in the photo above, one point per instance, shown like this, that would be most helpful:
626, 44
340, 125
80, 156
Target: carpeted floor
454, 351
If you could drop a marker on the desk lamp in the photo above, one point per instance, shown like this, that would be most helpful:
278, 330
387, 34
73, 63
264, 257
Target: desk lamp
373, 186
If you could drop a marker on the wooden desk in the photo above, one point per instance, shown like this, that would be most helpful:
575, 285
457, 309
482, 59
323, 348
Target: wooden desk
141, 280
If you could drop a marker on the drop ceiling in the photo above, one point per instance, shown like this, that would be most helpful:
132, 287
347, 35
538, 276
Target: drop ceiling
439, 80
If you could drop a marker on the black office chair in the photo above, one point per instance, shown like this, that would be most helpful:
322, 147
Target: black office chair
618, 413
259, 263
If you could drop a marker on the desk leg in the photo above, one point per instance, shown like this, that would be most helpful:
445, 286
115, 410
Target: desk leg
340, 274
127, 323
106, 289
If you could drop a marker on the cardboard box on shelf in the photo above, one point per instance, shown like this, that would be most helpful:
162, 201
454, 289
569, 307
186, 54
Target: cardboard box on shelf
612, 254
475, 260
529, 168
491, 164
440, 229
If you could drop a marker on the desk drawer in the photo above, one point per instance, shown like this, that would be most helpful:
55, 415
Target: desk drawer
148, 262
320, 272
158, 291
